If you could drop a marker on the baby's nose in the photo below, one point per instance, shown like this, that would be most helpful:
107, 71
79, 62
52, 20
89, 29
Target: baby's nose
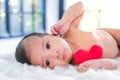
57, 54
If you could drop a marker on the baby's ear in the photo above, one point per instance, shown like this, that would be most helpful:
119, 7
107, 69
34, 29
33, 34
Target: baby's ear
60, 35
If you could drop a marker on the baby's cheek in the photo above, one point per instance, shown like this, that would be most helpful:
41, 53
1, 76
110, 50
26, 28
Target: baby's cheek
61, 63
55, 63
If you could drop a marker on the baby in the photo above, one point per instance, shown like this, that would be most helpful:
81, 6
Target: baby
50, 50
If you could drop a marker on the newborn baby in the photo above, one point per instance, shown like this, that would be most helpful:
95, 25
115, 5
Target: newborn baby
50, 50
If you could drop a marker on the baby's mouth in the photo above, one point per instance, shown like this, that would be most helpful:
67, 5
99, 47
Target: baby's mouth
64, 54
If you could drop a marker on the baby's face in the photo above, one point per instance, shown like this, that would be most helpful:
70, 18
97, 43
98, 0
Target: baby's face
48, 51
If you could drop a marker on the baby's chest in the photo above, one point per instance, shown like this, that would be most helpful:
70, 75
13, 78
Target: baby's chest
81, 42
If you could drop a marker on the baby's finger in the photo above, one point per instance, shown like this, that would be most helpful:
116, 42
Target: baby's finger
82, 69
61, 31
53, 31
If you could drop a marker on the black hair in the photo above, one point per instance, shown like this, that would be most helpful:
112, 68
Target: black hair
20, 53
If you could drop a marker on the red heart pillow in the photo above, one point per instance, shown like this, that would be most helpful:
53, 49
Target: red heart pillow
95, 52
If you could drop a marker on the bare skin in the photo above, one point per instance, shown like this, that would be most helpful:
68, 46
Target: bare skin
109, 39
59, 51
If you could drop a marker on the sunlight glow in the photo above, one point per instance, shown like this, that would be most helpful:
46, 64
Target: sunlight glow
101, 13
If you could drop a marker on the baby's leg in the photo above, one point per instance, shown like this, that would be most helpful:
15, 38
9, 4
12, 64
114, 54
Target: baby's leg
97, 64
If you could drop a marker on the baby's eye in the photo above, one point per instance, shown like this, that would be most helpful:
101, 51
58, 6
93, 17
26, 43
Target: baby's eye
47, 62
48, 45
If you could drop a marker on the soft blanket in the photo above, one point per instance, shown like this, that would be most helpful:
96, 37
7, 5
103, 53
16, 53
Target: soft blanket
10, 69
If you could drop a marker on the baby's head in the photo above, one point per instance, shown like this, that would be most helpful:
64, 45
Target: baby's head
42, 49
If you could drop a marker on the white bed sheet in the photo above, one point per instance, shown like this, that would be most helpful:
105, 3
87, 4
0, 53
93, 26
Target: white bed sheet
12, 70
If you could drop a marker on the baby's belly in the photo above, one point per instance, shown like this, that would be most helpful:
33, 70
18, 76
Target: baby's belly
108, 43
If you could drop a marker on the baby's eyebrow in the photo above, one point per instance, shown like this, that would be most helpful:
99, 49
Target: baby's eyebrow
42, 45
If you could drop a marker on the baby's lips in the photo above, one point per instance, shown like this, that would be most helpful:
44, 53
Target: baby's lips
64, 55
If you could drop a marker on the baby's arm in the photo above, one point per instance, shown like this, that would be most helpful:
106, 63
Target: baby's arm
73, 12
97, 64
71, 17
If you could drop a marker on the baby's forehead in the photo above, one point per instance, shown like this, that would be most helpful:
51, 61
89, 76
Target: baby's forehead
30, 40
38, 38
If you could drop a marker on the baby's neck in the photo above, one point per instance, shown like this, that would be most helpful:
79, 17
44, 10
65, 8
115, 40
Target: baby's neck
72, 62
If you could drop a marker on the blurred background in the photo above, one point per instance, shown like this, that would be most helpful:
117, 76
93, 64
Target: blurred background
21, 17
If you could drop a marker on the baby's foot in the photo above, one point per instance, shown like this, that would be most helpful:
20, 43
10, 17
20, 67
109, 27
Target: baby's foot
94, 64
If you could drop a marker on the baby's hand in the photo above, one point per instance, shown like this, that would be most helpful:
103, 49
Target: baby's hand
93, 64
60, 27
